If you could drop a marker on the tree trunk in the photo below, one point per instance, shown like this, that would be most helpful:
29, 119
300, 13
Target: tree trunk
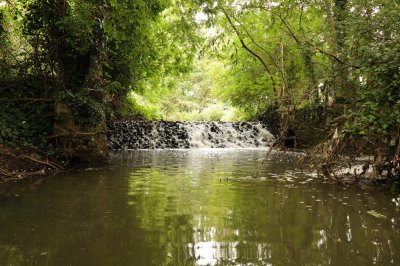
80, 141
282, 67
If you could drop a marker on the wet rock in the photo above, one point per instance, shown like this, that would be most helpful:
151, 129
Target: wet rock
128, 134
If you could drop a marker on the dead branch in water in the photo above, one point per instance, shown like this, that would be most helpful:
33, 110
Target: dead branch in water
47, 163
20, 164
333, 160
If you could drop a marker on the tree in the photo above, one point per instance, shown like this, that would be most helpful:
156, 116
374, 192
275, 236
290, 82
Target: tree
77, 61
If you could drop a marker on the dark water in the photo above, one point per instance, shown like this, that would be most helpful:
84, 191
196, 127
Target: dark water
198, 207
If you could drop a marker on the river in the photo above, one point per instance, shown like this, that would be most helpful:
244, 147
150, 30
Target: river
198, 207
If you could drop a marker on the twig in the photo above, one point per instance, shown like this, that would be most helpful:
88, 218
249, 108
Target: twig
52, 165
254, 54
78, 134
28, 100
6, 173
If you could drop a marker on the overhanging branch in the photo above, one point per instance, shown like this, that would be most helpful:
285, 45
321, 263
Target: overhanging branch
254, 54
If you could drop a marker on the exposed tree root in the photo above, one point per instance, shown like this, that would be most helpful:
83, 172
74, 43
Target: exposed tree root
329, 157
24, 163
46, 163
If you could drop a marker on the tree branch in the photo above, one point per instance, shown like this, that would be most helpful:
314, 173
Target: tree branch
28, 100
263, 49
299, 42
254, 54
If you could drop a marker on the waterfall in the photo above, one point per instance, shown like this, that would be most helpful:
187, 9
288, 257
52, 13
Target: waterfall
185, 135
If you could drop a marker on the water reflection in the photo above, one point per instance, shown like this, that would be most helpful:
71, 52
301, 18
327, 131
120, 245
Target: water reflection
198, 207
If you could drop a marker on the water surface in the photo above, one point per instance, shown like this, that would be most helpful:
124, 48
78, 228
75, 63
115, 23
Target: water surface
198, 207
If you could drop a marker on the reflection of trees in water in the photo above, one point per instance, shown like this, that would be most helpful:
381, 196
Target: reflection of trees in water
161, 208
246, 221
351, 235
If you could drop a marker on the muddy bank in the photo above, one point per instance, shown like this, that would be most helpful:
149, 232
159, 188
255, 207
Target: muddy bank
18, 164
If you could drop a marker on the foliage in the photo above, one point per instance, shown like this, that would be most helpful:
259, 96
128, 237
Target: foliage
88, 55
189, 97
197, 60
377, 108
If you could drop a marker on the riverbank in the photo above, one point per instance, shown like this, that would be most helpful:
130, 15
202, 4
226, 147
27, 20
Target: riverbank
326, 159
18, 164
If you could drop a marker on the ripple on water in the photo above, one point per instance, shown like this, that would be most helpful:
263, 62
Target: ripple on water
199, 207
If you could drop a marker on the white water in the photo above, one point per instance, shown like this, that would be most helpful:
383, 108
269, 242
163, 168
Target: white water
227, 135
